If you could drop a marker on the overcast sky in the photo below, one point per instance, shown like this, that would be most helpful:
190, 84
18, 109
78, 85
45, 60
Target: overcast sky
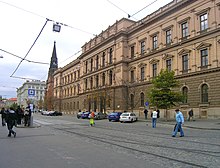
22, 21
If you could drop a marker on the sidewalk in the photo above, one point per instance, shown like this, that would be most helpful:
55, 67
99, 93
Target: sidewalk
207, 124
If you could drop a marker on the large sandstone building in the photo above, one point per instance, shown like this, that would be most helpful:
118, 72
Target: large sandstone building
114, 71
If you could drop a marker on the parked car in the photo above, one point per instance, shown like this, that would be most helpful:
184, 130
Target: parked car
128, 117
114, 116
46, 112
100, 115
79, 114
55, 113
85, 115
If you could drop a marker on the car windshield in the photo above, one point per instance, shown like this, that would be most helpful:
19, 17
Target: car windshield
125, 114
113, 113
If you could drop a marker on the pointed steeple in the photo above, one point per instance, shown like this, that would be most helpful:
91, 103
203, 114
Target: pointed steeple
54, 61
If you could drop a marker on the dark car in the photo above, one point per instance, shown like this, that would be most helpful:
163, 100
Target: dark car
100, 115
79, 114
56, 113
114, 116
85, 115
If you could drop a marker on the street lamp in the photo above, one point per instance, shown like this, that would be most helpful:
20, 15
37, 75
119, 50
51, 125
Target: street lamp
56, 27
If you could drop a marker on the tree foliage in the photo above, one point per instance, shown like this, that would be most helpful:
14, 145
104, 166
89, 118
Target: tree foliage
162, 94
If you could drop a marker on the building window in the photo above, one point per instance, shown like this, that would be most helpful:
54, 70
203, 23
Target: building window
132, 101
91, 83
168, 64
110, 77
86, 66
86, 84
110, 55
154, 70
204, 93
142, 47
97, 80
103, 59
185, 95
155, 42
185, 62
97, 62
168, 36
132, 76
91, 65
142, 99
103, 79
78, 74
132, 52
204, 58
142, 73
204, 22
185, 30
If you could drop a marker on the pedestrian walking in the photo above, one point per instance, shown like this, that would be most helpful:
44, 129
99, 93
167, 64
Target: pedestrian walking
190, 113
27, 116
145, 113
3, 114
154, 118
91, 120
11, 121
179, 123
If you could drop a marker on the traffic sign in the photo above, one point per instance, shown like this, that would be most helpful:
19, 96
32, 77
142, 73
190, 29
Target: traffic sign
146, 103
31, 92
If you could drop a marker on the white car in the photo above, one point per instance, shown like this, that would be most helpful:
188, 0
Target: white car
128, 117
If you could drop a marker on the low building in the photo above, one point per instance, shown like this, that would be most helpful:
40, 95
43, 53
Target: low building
31, 92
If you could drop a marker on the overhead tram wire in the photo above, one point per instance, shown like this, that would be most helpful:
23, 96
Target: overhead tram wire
30, 48
121, 9
144, 8
47, 18
36, 62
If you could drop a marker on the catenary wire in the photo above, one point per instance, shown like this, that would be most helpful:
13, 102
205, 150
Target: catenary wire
23, 58
30, 48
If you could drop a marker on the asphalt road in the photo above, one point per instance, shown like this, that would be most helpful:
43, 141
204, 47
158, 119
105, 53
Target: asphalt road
68, 142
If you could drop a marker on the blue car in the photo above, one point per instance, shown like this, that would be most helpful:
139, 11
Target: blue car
114, 116
85, 115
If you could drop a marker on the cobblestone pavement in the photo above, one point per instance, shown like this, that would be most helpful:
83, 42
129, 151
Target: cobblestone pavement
154, 146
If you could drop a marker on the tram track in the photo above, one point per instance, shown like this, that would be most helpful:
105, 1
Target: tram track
122, 145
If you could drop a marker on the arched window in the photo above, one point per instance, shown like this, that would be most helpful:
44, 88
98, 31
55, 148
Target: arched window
132, 101
142, 99
185, 94
204, 93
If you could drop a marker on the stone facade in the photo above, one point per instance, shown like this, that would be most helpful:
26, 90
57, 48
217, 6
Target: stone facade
114, 71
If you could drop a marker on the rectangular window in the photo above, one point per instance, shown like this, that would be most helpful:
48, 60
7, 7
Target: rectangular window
154, 70
103, 59
142, 73
204, 22
91, 64
97, 81
132, 76
86, 66
185, 30
204, 58
185, 62
155, 42
168, 36
97, 62
168, 64
132, 52
142, 47
110, 55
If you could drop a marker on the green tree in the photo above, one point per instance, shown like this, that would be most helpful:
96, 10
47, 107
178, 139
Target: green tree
162, 94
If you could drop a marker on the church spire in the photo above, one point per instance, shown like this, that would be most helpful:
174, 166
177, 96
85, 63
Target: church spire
54, 61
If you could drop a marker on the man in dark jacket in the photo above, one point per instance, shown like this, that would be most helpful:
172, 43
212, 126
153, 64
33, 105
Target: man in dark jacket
11, 121
3, 113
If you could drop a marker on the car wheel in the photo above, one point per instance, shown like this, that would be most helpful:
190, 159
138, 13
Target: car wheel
109, 120
132, 120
